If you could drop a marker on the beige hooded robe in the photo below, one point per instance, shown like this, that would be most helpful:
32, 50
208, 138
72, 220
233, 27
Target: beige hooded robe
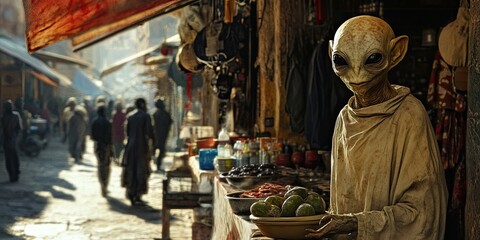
386, 170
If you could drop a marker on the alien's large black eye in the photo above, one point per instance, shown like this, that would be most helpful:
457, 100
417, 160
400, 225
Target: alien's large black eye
374, 58
339, 60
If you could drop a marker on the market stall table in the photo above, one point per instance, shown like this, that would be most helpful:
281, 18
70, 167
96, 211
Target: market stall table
227, 225
181, 195
199, 175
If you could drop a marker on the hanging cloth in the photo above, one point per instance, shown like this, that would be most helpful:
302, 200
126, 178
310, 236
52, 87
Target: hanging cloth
450, 126
326, 96
295, 87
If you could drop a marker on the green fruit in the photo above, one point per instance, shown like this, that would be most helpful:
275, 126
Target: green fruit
290, 205
305, 209
260, 208
317, 203
275, 211
314, 194
275, 200
300, 191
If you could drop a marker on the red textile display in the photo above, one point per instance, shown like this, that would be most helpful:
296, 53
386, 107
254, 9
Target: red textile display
450, 126
49, 21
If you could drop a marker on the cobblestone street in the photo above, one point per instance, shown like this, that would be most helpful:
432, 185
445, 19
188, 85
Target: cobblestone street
58, 199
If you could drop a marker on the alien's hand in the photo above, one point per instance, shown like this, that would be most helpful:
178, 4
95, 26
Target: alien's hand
331, 225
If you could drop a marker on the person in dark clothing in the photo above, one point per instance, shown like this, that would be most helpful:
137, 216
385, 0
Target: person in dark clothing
136, 160
76, 131
24, 121
101, 134
12, 125
162, 122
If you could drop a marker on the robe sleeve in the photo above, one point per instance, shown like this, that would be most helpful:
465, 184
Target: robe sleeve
418, 188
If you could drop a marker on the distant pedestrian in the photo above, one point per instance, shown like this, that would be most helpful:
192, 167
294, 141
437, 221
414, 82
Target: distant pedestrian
25, 117
54, 110
118, 135
76, 131
136, 159
12, 125
162, 122
101, 134
66, 115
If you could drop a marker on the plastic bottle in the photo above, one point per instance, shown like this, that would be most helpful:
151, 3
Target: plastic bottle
222, 139
238, 149
254, 148
227, 150
245, 159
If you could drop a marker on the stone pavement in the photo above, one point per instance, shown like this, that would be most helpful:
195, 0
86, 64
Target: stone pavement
58, 199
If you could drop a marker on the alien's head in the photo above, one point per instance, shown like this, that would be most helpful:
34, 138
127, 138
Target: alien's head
363, 50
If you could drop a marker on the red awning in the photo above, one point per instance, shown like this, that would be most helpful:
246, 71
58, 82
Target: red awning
44, 79
86, 21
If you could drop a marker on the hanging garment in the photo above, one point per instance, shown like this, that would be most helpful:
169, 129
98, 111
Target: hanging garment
450, 128
451, 106
326, 96
295, 87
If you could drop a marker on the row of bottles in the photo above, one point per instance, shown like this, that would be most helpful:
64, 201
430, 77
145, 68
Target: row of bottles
371, 7
263, 151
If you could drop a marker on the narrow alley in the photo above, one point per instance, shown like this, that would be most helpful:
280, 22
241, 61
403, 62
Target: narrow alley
58, 199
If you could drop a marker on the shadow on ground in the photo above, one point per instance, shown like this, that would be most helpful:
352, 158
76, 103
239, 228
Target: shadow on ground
39, 178
147, 213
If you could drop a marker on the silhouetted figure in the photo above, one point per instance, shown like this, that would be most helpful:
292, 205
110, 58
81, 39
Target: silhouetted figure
54, 109
25, 121
118, 135
136, 159
101, 134
66, 115
76, 131
11, 123
162, 122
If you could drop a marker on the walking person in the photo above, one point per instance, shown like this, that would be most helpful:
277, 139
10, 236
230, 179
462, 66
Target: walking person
76, 130
66, 115
12, 125
162, 122
118, 134
136, 159
25, 117
101, 134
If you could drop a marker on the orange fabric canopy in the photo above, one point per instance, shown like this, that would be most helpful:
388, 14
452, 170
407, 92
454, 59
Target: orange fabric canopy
84, 21
44, 79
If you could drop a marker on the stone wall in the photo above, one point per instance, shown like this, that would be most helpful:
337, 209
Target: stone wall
472, 211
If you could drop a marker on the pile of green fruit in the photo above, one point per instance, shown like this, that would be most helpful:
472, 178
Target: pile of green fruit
296, 202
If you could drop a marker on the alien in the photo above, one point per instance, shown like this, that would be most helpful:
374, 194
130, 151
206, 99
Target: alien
386, 176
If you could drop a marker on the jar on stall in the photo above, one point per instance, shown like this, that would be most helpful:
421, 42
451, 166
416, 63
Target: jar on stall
206, 158
264, 156
283, 159
254, 148
312, 159
237, 153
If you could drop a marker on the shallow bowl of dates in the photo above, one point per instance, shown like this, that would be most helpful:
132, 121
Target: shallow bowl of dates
249, 176
246, 182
